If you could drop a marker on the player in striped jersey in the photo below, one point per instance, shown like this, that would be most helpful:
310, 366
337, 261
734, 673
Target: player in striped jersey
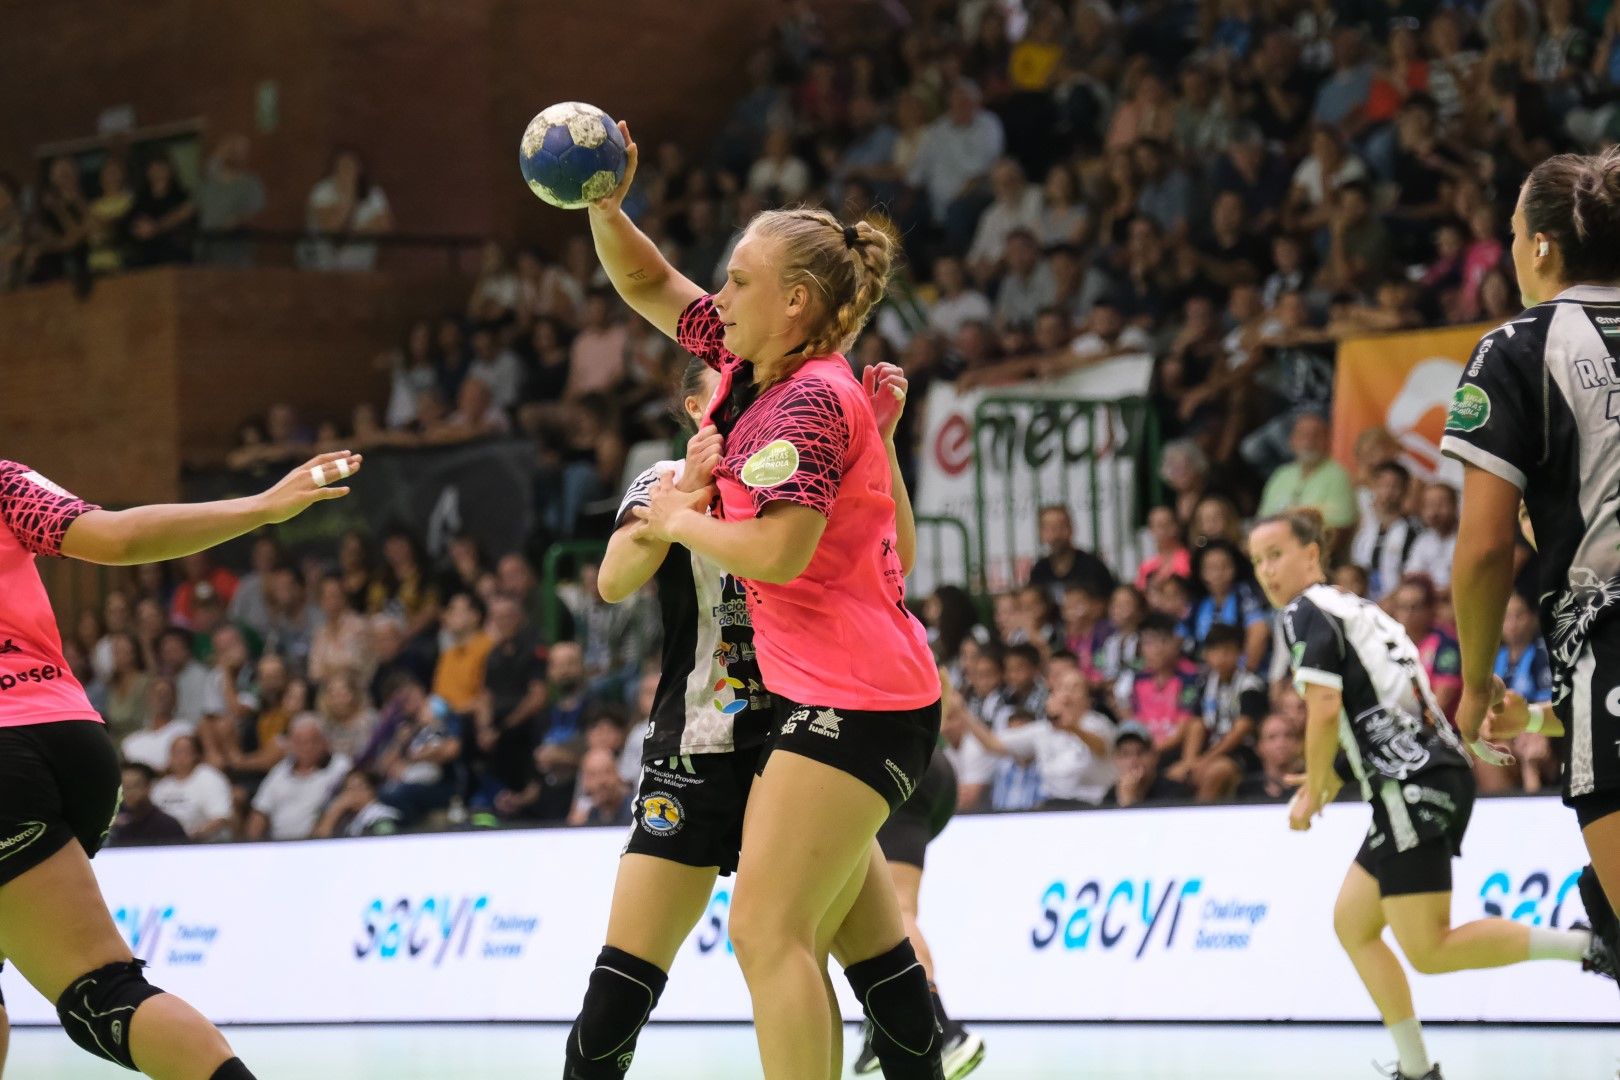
1372, 720
1536, 417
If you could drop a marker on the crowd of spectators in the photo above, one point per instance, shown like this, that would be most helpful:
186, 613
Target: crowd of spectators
127, 207
1229, 188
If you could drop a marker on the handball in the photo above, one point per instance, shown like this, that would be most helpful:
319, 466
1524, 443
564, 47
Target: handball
572, 154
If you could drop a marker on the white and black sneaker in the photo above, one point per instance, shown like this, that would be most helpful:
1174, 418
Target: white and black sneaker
1394, 1073
1599, 958
866, 1061
964, 1052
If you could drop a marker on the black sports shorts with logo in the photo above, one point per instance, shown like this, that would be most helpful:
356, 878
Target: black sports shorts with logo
58, 782
905, 837
887, 751
1417, 829
689, 809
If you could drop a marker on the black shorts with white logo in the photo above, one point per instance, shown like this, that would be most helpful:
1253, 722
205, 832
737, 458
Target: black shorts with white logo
689, 809
887, 751
1417, 830
905, 837
59, 782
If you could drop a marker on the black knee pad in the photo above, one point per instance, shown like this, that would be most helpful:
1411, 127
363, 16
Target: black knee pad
97, 1009
893, 991
622, 993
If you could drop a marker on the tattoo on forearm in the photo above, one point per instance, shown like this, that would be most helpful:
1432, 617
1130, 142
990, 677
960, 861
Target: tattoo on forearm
638, 275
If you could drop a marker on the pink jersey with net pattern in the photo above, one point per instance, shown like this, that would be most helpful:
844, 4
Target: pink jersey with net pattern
36, 686
839, 634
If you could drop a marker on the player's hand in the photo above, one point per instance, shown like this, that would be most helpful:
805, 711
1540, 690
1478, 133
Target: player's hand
1508, 715
702, 458
612, 201
1473, 706
1299, 811
665, 506
886, 385
307, 485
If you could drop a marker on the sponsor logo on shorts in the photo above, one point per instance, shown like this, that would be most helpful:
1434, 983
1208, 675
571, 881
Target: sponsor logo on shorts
901, 780
791, 724
662, 814
10, 680
31, 831
1470, 409
826, 723
1416, 793
9, 647
770, 465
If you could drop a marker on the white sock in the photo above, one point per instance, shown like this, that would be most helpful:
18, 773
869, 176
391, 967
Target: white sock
1408, 1036
1559, 944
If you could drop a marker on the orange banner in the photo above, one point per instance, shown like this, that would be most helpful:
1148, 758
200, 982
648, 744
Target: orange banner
1402, 382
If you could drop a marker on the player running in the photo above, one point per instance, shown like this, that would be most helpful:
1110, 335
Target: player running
1368, 698
809, 527
1537, 400
59, 773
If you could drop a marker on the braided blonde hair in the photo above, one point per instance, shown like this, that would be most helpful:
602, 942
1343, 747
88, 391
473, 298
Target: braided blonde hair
846, 277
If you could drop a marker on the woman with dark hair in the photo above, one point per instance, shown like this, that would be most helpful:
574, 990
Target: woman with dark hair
404, 585
953, 619
160, 223
1531, 420
343, 204
1227, 595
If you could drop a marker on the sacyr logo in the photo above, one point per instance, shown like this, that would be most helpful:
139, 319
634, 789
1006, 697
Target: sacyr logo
147, 929
1131, 914
1532, 897
736, 704
407, 928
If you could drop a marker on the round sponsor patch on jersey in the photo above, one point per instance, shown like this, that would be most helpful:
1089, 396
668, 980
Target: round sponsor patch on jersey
770, 465
1470, 409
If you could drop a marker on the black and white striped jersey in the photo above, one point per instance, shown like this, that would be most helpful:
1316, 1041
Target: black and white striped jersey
1539, 406
1391, 727
710, 697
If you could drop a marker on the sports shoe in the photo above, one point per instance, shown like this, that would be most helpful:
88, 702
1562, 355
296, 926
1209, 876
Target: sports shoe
866, 1061
964, 1051
1394, 1072
1599, 959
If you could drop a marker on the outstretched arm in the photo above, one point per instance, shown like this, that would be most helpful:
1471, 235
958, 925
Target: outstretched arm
164, 531
638, 270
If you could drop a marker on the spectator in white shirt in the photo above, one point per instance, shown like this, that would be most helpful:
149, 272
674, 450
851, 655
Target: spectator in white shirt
956, 153
345, 204
150, 745
1386, 536
291, 799
497, 365
1017, 205
1108, 335
1071, 746
778, 173
1433, 549
195, 794
957, 303
1028, 286
985, 697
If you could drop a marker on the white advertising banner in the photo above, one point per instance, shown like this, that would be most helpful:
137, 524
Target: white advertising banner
1034, 456
1174, 914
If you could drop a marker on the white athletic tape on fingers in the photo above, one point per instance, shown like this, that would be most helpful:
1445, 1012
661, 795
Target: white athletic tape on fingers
343, 468
317, 473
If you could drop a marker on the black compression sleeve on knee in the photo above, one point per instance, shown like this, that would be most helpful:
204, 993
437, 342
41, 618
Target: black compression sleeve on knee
233, 1070
621, 996
893, 991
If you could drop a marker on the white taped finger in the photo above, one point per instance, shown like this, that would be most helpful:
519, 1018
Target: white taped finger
342, 468
317, 473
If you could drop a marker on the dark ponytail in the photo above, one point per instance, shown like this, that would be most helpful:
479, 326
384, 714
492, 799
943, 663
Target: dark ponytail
1574, 199
691, 385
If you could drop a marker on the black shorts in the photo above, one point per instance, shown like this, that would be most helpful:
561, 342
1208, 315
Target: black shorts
58, 782
689, 809
1417, 829
886, 751
1596, 806
905, 837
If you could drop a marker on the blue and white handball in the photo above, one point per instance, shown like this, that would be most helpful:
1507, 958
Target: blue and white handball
572, 154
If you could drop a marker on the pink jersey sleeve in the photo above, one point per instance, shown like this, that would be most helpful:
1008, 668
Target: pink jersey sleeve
811, 421
36, 511
699, 332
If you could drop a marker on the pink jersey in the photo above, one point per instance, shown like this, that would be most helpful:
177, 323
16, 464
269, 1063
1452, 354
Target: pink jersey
36, 686
839, 634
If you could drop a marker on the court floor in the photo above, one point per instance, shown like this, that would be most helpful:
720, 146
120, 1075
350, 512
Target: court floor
1048, 1052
